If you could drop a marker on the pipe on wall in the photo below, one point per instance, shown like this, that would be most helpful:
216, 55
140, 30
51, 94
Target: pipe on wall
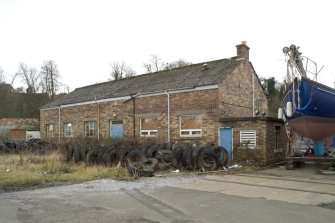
98, 121
253, 95
168, 104
134, 121
58, 124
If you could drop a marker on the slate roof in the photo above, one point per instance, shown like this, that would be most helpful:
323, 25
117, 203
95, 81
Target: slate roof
184, 77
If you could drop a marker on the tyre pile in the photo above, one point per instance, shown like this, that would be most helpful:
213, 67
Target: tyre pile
37, 146
152, 157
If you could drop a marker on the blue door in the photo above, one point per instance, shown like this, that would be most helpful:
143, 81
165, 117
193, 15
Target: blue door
226, 140
116, 130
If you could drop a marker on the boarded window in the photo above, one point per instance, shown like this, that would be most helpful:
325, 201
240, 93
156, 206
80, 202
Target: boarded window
68, 129
49, 130
191, 125
90, 127
248, 139
149, 127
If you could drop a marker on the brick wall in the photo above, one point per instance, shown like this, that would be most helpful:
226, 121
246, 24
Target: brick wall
17, 134
187, 103
236, 93
270, 139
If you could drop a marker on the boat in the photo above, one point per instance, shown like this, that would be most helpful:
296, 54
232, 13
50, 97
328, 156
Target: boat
308, 107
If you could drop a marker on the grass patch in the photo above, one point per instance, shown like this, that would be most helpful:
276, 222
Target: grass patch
30, 169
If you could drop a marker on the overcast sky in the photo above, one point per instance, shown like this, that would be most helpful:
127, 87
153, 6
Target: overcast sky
85, 37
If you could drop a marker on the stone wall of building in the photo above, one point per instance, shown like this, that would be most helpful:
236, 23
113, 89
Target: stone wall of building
236, 93
202, 103
270, 139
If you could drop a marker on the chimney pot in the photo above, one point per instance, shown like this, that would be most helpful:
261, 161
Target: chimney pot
243, 50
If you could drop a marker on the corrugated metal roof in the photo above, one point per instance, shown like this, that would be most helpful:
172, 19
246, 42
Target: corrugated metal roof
185, 77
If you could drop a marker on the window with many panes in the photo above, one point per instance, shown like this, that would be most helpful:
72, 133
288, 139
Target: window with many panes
191, 125
68, 129
149, 127
248, 139
90, 127
49, 130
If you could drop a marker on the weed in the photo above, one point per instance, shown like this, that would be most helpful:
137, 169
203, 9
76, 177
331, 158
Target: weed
33, 169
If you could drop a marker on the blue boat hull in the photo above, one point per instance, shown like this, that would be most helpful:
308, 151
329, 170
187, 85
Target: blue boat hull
314, 109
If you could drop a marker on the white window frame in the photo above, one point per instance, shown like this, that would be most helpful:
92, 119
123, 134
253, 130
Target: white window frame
248, 139
49, 130
91, 126
149, 133
68, 128
190, 132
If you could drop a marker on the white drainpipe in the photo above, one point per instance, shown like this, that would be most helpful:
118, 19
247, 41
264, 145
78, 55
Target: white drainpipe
168, 95
253, 95
98, 122
58, 124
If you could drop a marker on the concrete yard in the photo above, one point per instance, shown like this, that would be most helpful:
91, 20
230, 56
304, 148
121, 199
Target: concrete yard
272, 195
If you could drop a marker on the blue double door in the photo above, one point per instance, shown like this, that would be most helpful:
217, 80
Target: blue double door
226, 137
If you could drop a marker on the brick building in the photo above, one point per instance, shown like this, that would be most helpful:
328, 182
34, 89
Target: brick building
19, 128
183, 104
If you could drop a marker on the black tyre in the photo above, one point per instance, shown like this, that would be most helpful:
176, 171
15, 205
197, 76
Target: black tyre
107, 158
91, 157
76, 153
208, 160
169, 146
114, 157
122, 157
151, 151
70, 151
150, 164
138, 171
195, 155
164, 165
176, 159
187, 157
135, 156
3, 148
223, 155
162, 146
100, 155
147, 147
165, 155
83, 151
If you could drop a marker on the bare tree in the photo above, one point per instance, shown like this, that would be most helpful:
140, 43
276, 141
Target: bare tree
2, 76
121, 70
176, 64
50, 78
30, 77
156, 64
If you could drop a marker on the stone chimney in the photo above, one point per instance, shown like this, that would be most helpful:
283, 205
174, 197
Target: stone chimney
243, 50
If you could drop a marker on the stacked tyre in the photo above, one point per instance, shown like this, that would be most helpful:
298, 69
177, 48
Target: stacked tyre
206, 158
152, 157
36, 146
